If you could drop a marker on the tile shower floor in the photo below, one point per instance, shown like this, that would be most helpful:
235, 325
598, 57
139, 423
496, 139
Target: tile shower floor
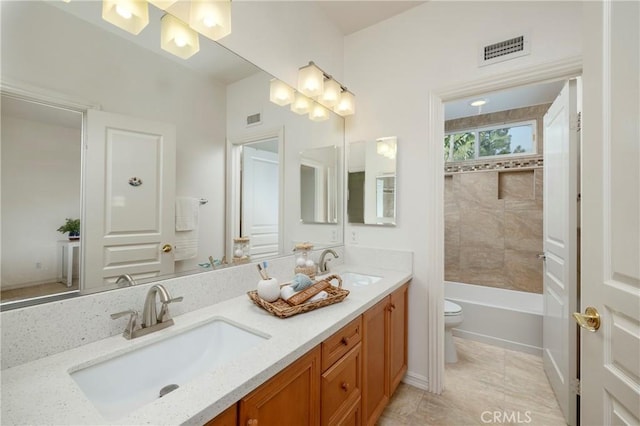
488, 385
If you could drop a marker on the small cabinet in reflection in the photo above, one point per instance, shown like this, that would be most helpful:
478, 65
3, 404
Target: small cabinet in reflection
372, 182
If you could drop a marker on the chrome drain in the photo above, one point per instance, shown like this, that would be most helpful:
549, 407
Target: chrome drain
169, 388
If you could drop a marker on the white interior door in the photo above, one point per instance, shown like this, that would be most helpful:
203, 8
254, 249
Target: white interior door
129, 198
561, 144
610, 356
260, 200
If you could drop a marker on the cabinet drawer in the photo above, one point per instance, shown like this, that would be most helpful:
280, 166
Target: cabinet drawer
341, 342
341, 386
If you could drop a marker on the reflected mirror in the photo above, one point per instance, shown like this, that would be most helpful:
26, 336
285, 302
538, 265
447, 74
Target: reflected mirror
371, 181
318, 185
120, 81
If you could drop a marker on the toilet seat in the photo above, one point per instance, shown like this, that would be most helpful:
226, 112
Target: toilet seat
451, 308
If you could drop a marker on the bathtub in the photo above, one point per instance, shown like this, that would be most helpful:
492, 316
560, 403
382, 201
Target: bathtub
507, 318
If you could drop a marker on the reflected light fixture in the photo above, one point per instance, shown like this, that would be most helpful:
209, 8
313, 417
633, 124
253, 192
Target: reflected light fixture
478, 103
177, 38
211, 18
311, 80
129, 15
280, 93
301, 104
318, 112
387, 147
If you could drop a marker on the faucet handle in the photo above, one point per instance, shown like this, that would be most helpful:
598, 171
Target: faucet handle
164, 316
131, 325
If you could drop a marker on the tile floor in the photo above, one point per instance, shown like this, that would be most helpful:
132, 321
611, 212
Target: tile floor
485, 379
36, 290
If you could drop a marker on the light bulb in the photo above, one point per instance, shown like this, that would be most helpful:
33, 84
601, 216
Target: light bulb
180, 42
209, 22
123, 11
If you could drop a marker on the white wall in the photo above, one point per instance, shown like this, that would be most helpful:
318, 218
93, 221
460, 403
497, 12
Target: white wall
393, 66
40, 188
103, 68
282, 36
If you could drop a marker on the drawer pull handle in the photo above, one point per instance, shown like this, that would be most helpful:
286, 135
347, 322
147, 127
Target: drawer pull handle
345, 386
345, 341
392, 307
252, 422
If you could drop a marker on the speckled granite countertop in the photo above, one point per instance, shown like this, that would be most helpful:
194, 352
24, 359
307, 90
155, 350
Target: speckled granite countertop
43, 392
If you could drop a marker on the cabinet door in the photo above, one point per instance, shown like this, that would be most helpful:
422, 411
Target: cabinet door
292, 397
228, 417
375, 388
397, 337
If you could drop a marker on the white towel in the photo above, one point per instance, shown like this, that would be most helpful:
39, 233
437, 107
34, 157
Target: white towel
187, 214
186, 245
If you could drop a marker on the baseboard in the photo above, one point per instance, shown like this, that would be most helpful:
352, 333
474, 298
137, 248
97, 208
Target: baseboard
417, 380
495, 341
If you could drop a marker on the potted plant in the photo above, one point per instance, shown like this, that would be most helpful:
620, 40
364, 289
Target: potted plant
72, 226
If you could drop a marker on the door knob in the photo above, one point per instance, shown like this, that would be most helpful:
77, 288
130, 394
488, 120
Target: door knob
542, 256
167, 248
590, 320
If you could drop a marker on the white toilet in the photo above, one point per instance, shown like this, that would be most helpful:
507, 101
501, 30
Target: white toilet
452, 318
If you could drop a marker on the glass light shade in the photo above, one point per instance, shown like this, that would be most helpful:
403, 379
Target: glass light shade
346, 105
311, 80
129, 15
177, 38
331, 95
280, 93
318, 113
301, 104
162, 4
211, 18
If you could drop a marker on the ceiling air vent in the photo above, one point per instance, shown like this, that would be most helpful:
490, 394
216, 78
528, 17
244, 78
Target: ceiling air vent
254, 119
504, 50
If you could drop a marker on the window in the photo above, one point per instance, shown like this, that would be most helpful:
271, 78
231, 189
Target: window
492, 141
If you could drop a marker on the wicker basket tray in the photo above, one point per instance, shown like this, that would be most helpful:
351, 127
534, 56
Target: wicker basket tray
282, 309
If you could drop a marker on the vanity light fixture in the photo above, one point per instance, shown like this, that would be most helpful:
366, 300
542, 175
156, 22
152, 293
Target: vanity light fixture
346, 104
318, 113
301, 104
280, 93
211, 18
177, 38
129, 15
311, 80
331, 95
387, 147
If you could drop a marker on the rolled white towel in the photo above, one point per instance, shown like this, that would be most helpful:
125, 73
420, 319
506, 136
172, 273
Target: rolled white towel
286, 292
320, 296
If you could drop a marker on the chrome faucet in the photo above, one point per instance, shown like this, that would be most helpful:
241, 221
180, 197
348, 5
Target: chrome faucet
151, 320
126, 278
322, 264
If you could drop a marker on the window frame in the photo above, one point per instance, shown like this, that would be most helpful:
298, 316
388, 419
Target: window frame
476, 131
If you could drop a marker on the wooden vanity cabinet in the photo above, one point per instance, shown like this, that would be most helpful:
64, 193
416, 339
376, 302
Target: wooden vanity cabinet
384, 353
292, 397
347, 380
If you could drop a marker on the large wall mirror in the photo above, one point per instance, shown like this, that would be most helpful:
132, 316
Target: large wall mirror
152, 194
371, 181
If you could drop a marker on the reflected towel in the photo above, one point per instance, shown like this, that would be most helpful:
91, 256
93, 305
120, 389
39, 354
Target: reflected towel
187, 214
186, 246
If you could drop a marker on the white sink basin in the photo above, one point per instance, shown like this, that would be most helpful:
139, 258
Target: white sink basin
126, 382
355, 279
